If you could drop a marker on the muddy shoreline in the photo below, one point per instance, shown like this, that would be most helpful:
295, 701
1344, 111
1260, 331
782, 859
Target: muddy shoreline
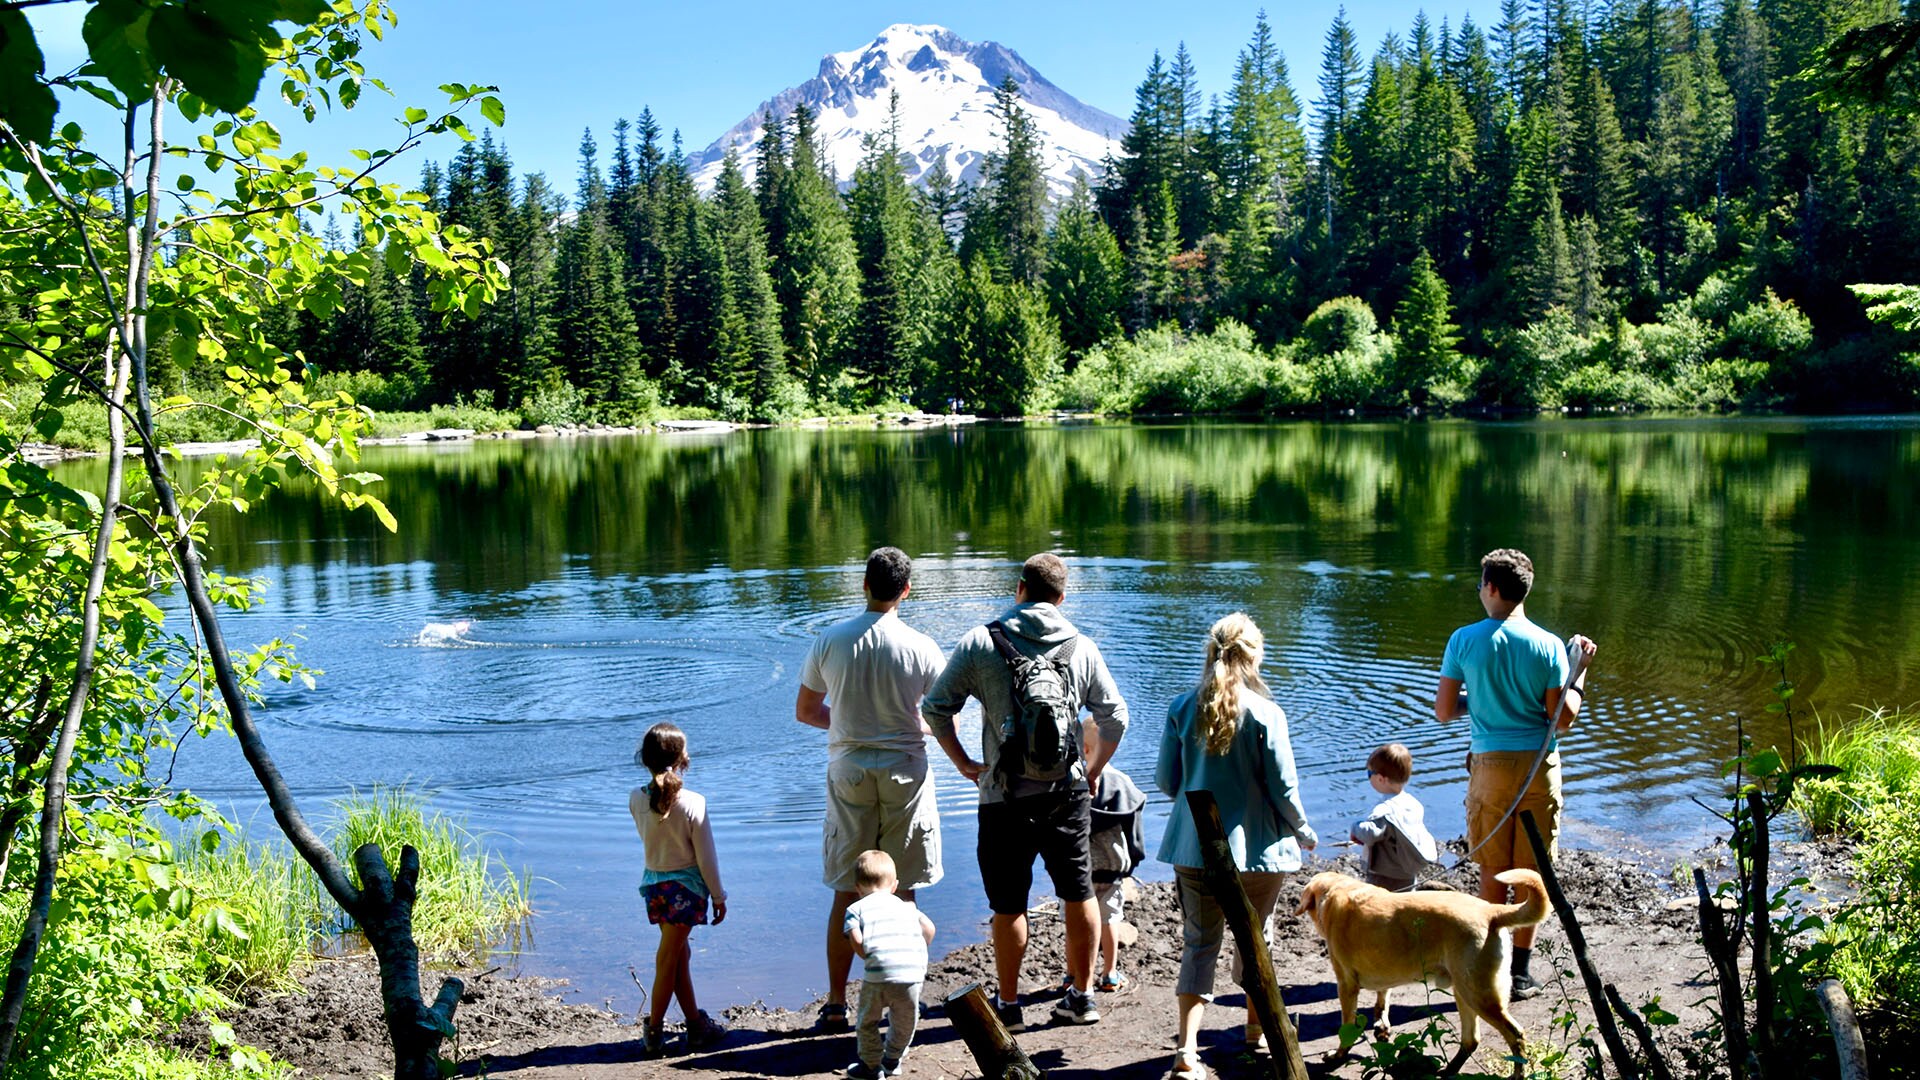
1639, 921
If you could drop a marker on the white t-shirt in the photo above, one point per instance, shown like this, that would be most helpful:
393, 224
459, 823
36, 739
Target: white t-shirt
874, 670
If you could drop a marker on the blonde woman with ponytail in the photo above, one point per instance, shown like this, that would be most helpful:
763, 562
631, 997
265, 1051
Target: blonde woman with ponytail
682, 876
1227, 737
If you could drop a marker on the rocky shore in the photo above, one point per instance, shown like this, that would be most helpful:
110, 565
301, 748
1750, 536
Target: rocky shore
1640, 929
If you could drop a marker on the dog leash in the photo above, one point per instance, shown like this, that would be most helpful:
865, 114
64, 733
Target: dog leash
1576, 665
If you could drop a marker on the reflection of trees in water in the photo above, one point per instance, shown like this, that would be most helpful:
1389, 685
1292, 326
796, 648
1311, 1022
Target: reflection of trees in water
1716, 535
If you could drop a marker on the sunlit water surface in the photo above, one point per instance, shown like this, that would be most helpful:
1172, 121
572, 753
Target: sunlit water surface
613, 583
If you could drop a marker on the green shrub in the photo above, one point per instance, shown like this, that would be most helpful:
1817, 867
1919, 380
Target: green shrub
1167, 370
557, 402
1719, 384
1342, 324
134, 950
368, 388
1771, 332
460, 414
1347, 379
1535, 360
1599, 386
1678, 342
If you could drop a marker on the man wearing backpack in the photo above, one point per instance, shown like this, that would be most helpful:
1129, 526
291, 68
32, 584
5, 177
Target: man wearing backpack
1033, 673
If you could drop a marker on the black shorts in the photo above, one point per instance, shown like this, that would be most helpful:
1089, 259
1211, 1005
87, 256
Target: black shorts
1054, 826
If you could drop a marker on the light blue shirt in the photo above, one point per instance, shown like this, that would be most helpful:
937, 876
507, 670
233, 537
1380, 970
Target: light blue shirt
1254, 782
890, 932
1508, 666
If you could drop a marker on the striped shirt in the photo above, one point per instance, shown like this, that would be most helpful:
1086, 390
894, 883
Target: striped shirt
890, 932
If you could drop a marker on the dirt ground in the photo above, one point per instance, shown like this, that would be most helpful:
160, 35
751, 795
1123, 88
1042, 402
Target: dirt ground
1639, 925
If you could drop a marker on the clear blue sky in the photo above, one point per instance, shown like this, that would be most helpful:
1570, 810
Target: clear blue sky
565, 65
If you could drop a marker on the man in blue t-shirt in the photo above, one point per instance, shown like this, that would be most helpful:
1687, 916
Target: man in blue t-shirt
1507, 674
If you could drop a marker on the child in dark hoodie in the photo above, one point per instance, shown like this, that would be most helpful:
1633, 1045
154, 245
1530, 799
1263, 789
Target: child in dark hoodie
1118, 844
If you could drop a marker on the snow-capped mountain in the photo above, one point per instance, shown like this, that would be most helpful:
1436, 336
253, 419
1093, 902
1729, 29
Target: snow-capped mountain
946, 85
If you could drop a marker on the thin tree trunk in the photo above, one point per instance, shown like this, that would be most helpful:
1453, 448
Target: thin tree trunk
53, 807
26, 754
1759, 900
1723, 951
1577, 944
383, 909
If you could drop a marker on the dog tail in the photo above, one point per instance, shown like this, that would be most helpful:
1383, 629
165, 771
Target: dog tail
1533, 906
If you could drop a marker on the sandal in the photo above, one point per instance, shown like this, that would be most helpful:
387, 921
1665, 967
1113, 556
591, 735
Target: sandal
1187, 1066
1256, 1038
833, 1018
1114, 982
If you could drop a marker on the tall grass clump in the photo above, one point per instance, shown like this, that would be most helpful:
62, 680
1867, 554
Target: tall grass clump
271, 898
466, 897
1879, 753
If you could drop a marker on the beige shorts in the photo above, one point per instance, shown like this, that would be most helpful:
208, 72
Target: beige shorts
881, 799
1493, 782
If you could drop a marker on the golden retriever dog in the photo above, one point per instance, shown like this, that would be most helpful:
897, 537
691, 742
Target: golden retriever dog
1378, 940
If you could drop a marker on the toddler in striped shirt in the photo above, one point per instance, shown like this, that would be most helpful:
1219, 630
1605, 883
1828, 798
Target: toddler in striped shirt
892, 936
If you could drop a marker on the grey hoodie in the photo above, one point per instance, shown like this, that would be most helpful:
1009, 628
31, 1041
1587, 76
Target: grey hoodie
976, 670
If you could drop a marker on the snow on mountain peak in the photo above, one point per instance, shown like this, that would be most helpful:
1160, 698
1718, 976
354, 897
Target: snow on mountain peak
945, 86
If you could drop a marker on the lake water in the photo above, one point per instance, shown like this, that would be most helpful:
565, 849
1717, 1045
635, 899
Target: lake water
613, 583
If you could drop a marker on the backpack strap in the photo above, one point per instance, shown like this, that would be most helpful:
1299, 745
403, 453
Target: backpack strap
997, 630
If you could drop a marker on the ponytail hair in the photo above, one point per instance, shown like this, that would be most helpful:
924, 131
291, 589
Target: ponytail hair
663, 752
1235, 648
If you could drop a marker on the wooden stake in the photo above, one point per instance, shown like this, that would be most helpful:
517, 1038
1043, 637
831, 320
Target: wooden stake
992, 1045
1249, 936
1577, 941
1849, 1044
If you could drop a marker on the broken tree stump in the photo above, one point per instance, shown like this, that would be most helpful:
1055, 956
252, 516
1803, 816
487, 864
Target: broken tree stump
999, 1057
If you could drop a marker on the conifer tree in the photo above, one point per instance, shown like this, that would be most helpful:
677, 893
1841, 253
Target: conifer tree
1086, 274
899, 261
749, 356
1341, 80
593, 324
1008, 225
815, 270
1426, 349
1150, 273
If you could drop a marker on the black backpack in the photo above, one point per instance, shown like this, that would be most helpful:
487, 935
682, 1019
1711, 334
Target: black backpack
1041, 740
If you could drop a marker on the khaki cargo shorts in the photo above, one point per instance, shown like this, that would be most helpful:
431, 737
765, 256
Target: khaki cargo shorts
1493, 782
881, 799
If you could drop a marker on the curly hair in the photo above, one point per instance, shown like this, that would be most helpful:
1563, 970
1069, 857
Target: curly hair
1235, 648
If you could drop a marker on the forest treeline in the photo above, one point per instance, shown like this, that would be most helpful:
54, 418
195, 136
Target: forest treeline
1642, 202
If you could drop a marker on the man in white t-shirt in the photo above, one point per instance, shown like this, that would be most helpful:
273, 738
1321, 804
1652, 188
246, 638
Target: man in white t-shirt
862, 684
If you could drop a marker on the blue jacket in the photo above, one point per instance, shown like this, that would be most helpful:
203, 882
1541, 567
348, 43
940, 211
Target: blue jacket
1254, 782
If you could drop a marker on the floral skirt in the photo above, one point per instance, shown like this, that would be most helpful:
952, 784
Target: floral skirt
673, 902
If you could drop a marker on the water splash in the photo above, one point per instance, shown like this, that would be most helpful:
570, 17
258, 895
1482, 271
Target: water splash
443, 635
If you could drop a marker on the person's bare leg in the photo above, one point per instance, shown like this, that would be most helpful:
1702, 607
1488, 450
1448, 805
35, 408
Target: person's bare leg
1083, 940
1109, 948
683, 986
1188, 1009
666, 970
839, 949
1009, 952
